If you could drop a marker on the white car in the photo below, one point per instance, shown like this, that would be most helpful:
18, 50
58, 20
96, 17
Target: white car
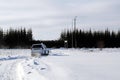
39, 49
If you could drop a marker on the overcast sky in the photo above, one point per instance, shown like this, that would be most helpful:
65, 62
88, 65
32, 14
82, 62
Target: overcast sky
48, 18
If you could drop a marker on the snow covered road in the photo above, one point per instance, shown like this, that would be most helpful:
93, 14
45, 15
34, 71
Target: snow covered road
61, 64
20, 66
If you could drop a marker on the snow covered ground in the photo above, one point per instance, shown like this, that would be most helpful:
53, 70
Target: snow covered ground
61, 64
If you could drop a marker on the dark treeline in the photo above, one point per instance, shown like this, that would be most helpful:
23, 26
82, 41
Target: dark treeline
51, 43
91, 39
15, 38
22, 38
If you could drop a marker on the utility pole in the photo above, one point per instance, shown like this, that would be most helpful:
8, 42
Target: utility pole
75, 18
72, 34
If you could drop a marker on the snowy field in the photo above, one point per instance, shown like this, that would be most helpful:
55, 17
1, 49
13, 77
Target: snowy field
61, 64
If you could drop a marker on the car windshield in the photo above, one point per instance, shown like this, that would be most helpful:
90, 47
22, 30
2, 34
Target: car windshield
37, 46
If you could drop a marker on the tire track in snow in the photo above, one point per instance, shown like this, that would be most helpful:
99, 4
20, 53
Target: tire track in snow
8, 70
43, 70
20, 72
29, 70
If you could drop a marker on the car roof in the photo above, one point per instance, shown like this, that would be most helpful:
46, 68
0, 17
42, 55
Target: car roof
40, 44
36, 44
